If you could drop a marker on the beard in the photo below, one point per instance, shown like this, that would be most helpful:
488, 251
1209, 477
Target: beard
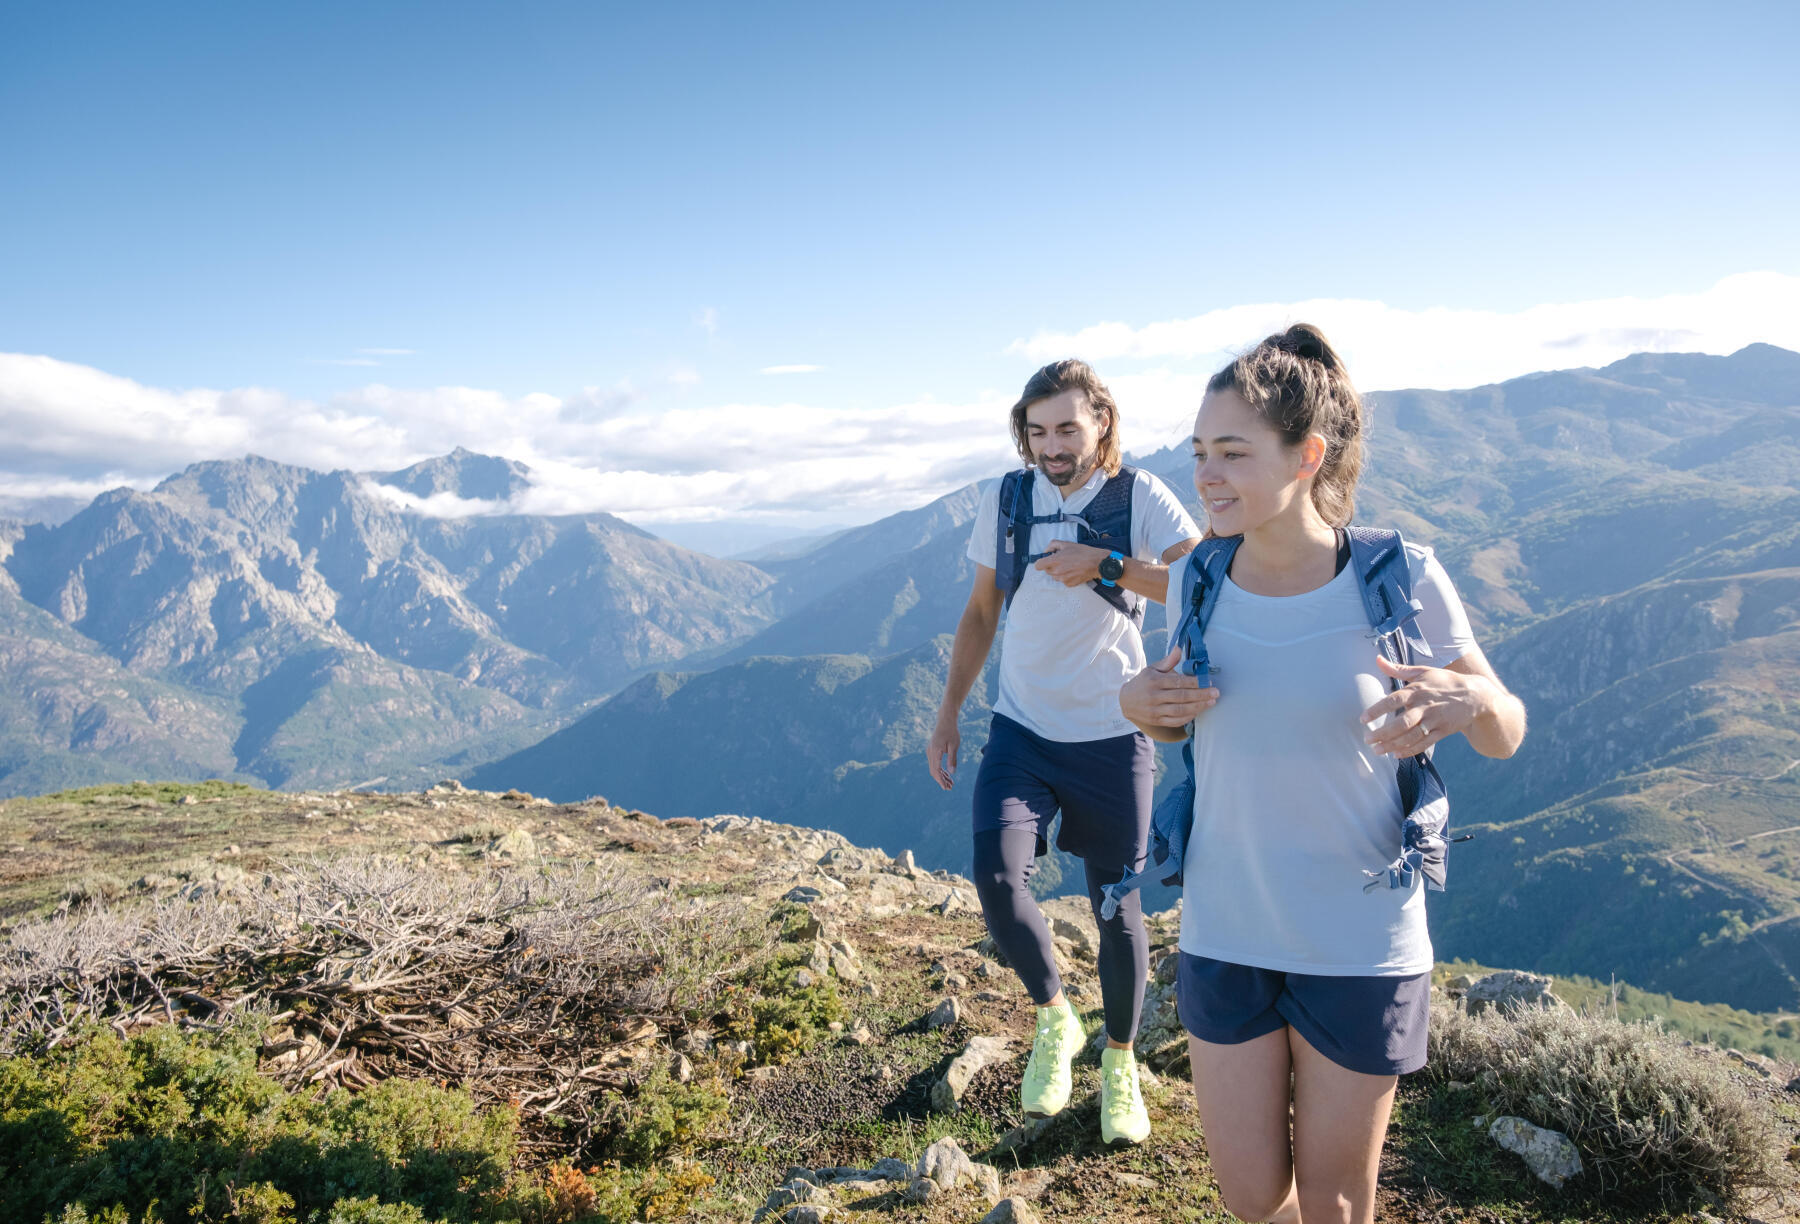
1081, 467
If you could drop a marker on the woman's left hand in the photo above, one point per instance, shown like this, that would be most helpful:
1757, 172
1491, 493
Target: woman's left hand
1435, 704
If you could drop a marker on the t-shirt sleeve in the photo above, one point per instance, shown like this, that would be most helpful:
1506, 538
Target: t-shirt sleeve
1443, 623
1159, 521
1172, 596
981, 535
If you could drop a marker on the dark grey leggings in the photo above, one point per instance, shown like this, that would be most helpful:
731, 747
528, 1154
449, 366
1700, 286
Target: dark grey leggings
1004, 861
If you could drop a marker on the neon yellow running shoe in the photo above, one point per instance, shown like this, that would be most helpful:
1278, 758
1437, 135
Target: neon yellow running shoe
1045, 1089
1122, 1116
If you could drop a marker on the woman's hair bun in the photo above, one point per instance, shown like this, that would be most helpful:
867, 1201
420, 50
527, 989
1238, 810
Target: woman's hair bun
1308, 342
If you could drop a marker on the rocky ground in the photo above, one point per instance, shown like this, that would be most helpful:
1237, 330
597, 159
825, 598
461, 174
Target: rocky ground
908, 1108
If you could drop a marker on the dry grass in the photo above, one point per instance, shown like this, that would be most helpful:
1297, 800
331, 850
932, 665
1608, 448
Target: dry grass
541, 987
1656, 1119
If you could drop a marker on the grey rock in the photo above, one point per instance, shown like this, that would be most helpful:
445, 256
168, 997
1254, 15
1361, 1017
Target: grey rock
681, 1068
1011, 1210
1758, 1065
724, 823
517, 845
955, 902
889, 1168
945, 1163
904, 862
803, 894
808, 1213
803, 979
1023, 1136
1134, 1181
846, 967
1550, 1155
1510, 990
981, 1052
947, 1013
987, 1182
921, 1190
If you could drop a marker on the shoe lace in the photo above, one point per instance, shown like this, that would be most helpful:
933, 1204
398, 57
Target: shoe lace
1043, 1046
1121, 1077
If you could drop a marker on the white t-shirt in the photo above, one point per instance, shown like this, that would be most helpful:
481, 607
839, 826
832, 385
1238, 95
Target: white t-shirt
1291, 805
1067, 650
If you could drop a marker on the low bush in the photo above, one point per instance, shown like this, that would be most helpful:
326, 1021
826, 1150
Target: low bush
180, 1126
1656, 1122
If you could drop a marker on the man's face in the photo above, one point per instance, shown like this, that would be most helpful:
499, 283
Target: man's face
1064, 437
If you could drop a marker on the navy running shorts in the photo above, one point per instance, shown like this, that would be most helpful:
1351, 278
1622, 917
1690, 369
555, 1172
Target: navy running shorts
1101, 787
1374, 1025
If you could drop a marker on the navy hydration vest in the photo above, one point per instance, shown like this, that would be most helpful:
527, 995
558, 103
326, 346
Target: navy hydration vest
1104, 523
1379, 559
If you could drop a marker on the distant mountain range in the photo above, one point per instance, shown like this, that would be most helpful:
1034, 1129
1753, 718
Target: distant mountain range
1628, 540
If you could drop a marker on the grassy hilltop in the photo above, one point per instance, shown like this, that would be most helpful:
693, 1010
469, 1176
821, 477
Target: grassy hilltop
461, 1005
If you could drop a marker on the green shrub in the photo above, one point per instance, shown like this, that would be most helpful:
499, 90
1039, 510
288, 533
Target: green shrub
1657, 1123
778, 1015
665, 1116
182, 1124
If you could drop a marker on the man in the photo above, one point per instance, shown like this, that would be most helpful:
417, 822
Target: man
1059, 742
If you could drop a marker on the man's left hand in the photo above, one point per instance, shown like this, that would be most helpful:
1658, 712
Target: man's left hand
1070, 563
1435, 704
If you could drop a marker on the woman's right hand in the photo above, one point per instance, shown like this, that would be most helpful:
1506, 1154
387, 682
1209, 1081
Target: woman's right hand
1160, 696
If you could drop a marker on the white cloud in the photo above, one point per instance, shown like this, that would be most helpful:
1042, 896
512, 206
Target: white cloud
438, 505
707, 320
1389, 347
603, 448
657, 452
792, 369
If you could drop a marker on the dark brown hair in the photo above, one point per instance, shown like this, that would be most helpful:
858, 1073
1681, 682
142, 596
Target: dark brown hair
1070, 375
1297, 384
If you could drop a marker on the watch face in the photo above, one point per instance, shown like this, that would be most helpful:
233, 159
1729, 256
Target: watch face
1112, 569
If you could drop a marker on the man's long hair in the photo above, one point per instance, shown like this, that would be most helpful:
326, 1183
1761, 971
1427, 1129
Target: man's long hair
1066, 375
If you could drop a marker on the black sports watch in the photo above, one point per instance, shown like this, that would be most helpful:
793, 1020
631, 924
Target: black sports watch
1112, 568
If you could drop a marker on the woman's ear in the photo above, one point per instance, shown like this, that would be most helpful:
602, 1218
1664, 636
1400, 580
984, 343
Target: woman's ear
1312, 455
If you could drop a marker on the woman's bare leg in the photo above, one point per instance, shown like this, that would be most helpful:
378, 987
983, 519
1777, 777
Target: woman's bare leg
1243, 1091
1340, 1121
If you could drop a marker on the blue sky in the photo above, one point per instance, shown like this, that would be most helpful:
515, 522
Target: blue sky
637, 210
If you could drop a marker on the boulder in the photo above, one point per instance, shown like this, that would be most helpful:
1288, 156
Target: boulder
1023, 1135
1013, 1210
921, 1190
889, 1168
1072, 918
1510, 990
517, 845
947, 1013
1550, 1155
947, 1093
945, 1163
956, 901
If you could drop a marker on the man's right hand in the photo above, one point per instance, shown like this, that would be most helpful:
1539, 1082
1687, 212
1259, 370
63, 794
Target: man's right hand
940, 756
1160, 696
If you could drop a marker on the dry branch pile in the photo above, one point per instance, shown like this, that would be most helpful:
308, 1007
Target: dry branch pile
544, 988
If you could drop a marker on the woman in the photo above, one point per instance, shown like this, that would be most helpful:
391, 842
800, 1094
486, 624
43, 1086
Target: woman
1288, 966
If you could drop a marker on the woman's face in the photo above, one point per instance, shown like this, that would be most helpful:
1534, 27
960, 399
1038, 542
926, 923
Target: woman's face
1245, 475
